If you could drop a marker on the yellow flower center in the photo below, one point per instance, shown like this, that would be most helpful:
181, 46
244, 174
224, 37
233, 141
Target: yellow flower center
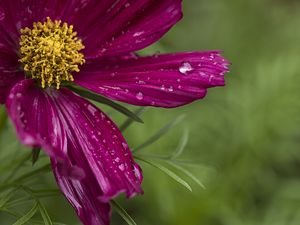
50, 52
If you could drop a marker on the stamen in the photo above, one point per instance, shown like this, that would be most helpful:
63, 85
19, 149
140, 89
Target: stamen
50, 52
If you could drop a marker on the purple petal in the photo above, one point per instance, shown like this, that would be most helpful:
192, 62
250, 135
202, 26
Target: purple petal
107, 27
17, 14
82, 196
36, 118
117, 27
9, 72
98, 163
168, 80
98, 146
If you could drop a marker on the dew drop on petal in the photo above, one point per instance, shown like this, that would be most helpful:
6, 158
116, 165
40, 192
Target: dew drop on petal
137, 172
185, 68
121, 167
136, 34
139, 96
124, 145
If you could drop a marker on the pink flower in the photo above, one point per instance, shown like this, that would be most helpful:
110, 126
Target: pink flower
40, 53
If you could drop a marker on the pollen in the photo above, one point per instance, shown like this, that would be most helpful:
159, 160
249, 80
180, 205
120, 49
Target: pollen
50, 52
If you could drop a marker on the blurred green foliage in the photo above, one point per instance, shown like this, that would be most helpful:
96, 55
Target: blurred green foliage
243, 139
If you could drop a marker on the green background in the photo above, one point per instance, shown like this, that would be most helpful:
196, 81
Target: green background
244, 138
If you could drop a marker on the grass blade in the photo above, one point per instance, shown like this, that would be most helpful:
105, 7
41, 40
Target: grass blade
35, 155
122, 212
187, 173
14, 166
45, 215
159, 133
6, 197
181, 146
129, 121
24, 219
43, 169
167, 171
106, 101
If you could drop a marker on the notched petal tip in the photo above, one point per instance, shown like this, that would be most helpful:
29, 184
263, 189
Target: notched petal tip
166, 80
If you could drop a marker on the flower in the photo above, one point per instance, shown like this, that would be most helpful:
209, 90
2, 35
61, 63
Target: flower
46, 43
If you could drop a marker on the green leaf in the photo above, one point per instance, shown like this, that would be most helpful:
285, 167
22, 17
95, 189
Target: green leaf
43, 193
45, 215
188, 173
6, 197
14, 165
98, 98
43, 169
35, 155
19, 201
166, 171
122, 212
160, 133
182, 144
129, 121
24, 219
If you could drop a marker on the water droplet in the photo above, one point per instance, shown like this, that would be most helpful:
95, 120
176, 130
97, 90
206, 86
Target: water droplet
141, 82
139, 96
122, 167
117, 160
136, 34
19, 95
185, 68
124, 145
115, 137
137, 172
92, 109
170, 89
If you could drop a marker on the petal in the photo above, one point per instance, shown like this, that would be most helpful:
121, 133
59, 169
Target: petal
95, 143
81, 194
9, 72
168, 80
107, 27
117, 27
36, 118
17, 14
99, 164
